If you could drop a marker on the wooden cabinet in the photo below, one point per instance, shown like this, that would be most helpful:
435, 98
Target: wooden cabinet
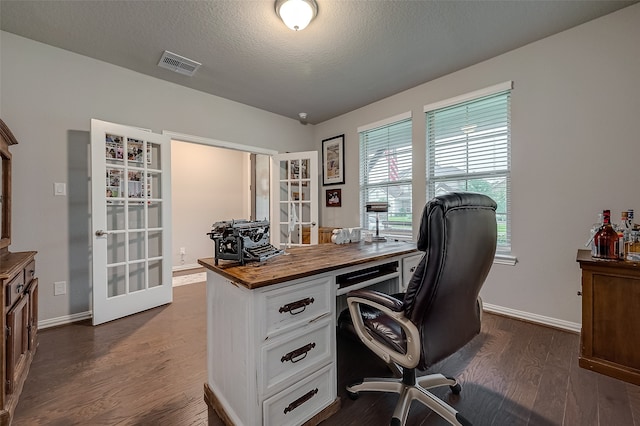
19, 319
324, 234
610, 326
20, 323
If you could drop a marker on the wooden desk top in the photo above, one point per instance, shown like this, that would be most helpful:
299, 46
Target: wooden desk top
300, 262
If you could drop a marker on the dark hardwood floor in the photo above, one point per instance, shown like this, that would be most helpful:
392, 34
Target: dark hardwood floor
149, 369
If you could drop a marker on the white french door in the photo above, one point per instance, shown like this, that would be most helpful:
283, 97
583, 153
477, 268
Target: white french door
295, 199
131, 220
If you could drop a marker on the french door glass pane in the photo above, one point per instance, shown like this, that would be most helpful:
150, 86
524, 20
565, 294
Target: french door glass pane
155, 243
116, 281
136, 215
137, 245
115, 248
115, 216
136, 277
154, 212
155, 273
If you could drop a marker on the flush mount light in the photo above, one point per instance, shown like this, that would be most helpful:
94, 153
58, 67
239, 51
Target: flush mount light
296, 14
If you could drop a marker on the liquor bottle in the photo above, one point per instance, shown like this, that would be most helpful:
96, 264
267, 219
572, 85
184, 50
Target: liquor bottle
606, 239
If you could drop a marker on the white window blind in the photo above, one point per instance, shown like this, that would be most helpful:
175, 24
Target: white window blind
385, 176
469, 149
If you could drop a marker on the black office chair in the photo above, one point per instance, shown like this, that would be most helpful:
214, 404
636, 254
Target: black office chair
440, 311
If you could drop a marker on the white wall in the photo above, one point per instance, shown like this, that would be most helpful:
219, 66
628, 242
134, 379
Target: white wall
208, 184
48, 97
575, 144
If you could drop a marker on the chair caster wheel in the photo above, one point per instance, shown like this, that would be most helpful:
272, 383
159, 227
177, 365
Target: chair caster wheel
456, 389
353, 395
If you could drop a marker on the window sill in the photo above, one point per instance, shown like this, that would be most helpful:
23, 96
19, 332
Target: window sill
504, 259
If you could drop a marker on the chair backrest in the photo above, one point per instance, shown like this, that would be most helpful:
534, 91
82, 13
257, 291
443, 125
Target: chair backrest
458, 234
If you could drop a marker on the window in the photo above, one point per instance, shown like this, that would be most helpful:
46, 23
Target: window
386, 173
469, 149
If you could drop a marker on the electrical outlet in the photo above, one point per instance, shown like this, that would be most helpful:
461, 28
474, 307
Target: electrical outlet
183, 250
59, 288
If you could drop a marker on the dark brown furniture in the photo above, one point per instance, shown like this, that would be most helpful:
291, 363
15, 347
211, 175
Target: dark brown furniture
324, 234
610, 328
19, 318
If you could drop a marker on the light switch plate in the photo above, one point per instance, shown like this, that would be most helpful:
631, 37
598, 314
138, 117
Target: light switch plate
59, 188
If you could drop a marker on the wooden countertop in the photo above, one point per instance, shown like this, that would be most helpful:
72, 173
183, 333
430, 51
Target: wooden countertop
584, 258
300, 262
11, 262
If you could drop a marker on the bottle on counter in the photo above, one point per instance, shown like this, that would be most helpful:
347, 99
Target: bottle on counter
605, 241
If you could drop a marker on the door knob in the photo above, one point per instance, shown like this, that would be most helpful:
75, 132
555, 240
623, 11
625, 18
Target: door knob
100, 233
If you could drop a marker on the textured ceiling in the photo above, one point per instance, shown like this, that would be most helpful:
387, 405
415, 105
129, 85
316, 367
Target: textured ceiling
352, 54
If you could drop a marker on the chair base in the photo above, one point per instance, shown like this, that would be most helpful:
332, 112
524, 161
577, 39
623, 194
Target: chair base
410, 388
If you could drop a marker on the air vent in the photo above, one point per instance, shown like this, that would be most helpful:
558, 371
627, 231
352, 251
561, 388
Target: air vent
178, 63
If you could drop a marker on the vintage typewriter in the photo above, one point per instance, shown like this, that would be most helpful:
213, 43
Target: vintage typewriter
242, 241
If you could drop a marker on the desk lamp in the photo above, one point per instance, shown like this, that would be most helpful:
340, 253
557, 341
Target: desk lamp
377, 208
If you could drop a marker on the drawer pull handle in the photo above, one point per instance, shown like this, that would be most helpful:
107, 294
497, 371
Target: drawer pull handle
294, 308
298, 354
298, 402
19, 288
412, 270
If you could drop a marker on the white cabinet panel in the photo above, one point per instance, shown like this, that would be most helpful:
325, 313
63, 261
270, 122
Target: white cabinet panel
299, 403
295, 305
285, 360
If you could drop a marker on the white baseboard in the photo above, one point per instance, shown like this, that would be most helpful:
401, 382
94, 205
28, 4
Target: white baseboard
189, 279
66, 319
538, 319
185, 267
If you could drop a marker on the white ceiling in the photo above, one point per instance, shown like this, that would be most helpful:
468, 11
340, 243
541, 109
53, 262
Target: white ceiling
355, 52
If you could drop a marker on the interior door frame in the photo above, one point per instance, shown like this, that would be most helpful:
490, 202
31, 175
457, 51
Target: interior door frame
216, 143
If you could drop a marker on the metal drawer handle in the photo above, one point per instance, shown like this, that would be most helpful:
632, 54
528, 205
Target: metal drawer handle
19, 288
294, 308
298, 354
298, 402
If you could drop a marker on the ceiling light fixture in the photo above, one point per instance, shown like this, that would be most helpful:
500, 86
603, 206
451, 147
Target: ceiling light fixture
296, 14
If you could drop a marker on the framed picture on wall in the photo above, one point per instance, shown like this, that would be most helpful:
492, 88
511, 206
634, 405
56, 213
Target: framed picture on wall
334, 198
333, 160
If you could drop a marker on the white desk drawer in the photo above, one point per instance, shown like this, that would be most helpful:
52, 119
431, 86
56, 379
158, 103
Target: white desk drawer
299, 403
296, 305
289, 357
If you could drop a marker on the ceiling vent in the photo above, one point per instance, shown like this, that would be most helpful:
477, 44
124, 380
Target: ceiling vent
178, 63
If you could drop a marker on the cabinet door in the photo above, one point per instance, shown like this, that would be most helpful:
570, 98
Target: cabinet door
17, 340
32, 291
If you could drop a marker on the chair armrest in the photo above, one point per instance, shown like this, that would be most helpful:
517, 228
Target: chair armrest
392, 308
383, 299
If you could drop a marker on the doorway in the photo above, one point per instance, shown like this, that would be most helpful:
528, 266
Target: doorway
212, 181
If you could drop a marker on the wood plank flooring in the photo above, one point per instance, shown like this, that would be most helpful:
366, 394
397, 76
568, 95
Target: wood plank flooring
149, 369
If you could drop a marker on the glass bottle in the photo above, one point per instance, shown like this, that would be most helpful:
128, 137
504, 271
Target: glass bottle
606, 239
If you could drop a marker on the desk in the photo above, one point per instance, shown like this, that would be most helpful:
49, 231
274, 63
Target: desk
271, 352
610, 328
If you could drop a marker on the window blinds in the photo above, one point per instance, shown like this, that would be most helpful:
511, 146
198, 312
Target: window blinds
385, 176
468, 149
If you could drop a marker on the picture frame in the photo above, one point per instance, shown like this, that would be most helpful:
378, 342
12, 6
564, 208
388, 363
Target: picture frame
333, 197
333, 160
